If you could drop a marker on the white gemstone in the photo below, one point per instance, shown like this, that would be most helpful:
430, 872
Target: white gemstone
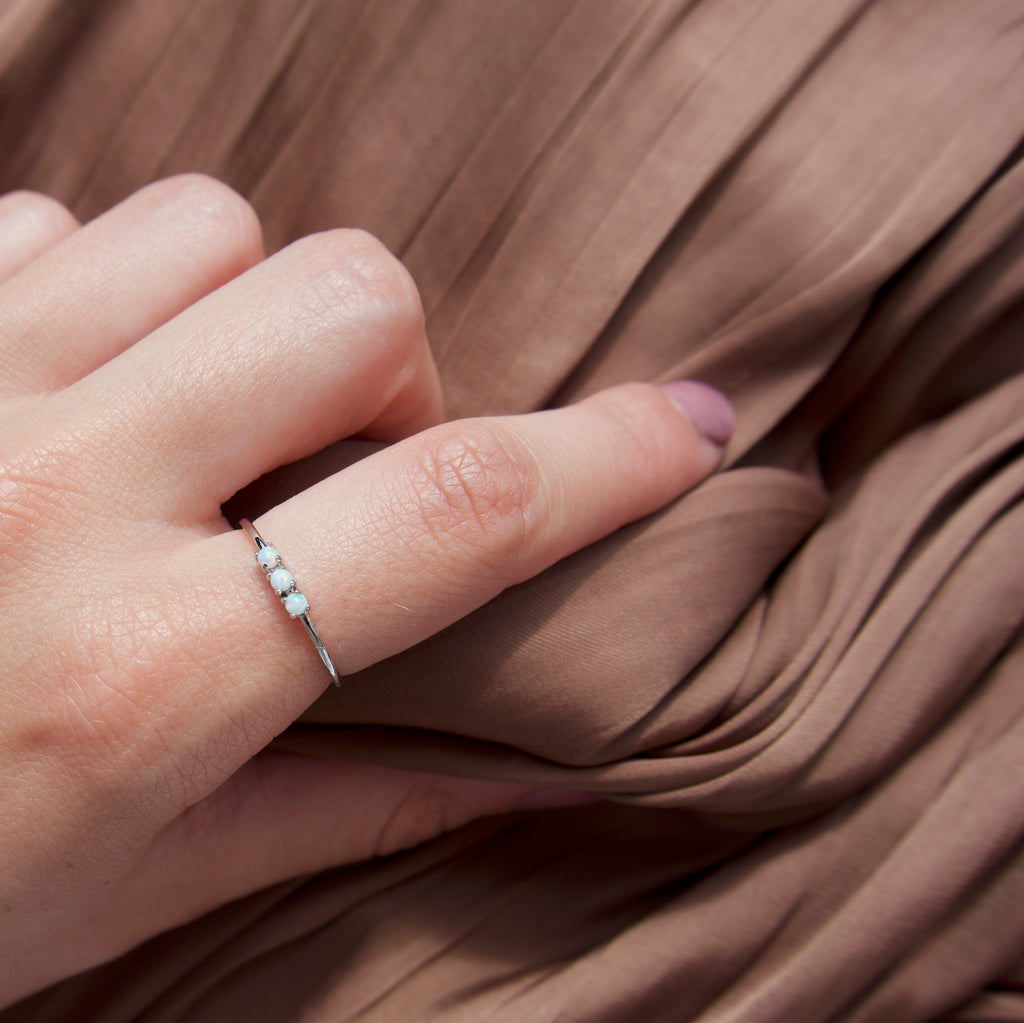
296, 604
268, 557
281, 580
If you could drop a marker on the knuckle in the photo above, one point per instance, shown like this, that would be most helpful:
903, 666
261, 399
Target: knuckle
478, 488
105, 706
144, 717
107, 725
44, 214
351, 273
21, 198
83, 725
213, 207
194, 189
39, 490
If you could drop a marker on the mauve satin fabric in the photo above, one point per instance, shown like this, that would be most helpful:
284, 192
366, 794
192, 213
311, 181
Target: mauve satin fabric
801, 686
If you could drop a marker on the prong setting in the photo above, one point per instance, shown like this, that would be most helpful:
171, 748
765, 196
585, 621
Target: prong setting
281, 581
283, 584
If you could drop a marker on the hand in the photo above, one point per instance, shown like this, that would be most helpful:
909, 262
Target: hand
152, 364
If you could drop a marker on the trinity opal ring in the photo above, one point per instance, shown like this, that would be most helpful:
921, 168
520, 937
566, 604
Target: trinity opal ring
281, 582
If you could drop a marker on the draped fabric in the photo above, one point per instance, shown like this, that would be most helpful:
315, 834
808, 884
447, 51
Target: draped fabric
801, 687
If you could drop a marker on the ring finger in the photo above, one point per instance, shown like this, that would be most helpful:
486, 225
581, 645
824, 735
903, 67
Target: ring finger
412, 538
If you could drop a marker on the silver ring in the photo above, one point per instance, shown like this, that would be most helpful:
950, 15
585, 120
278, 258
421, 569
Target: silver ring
281, 582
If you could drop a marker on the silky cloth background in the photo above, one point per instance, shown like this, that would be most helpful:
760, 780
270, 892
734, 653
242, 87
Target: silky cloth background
813, 664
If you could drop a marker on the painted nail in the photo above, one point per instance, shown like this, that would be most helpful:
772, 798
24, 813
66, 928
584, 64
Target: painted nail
709, 410
556, 799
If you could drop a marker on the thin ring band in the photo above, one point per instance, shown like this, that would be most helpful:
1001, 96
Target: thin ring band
295, 603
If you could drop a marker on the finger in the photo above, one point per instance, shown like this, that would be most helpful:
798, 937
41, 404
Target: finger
30, 224
284, 815
447, 519
322, 340
119, 277
427, 530
397, 547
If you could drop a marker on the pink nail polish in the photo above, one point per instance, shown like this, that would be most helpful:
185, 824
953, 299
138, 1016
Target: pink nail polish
709, 410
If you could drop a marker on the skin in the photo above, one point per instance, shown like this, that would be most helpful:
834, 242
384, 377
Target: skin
153, 363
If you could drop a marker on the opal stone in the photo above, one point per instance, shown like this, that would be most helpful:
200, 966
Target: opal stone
281, 580
268, 557
296, 604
